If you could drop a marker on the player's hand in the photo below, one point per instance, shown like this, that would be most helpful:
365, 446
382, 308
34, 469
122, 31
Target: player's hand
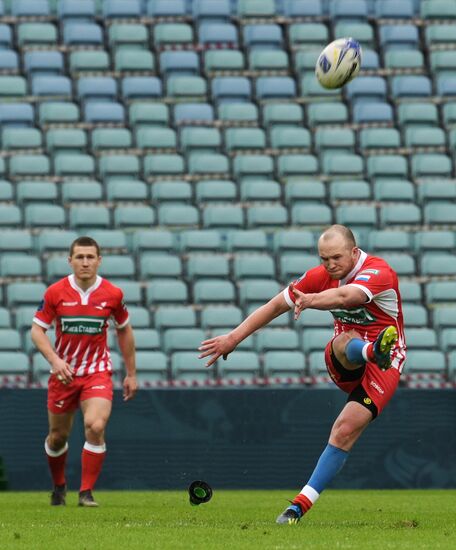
130, 386
302, 301
217, 347
62, 371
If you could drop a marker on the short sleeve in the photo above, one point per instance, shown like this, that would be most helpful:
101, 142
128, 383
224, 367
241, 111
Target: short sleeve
307, 283
374, 281
46, 312
120, 313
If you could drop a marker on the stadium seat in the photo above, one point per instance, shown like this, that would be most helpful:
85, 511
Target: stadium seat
213, 291
19, 265
178, 339
421, 338
16, 240
220, 316
440, 291
171, 191
158, 241
186, 366
284, 364
203, 266
415, 315
166, 8
166, 291
159, 265
434, 241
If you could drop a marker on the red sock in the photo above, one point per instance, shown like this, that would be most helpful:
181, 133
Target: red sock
57, 461
303, 502
92, 460
370, 352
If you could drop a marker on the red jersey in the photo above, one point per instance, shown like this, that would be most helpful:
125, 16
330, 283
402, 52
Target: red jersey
383, 301
81, 319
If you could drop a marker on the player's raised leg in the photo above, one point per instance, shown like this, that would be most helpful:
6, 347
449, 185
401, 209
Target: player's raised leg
359, 351
56, 447
347, 428
96, 413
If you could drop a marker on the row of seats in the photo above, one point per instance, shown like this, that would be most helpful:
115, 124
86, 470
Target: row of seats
253, 37
279, 242
199, 266
372, 91
307, 214
156, 114
310, 333
231, 140
243, 366
223, 10
203, 193
260, 166
172, 63
203, 290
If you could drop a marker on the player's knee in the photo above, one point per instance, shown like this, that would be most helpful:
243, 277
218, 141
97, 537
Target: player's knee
344, 434
340, 341
96, 426
57, 440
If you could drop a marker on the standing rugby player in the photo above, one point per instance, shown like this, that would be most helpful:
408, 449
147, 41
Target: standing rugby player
81, 305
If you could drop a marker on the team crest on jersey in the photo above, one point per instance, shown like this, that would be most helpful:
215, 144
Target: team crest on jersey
40, 306
86, 326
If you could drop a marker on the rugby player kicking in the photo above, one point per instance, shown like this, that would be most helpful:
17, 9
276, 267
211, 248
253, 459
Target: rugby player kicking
365, 356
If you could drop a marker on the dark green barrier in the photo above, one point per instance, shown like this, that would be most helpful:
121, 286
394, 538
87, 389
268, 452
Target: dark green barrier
232, 438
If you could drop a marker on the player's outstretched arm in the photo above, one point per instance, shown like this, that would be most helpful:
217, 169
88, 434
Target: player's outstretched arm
344, 297
221, 346
59, 367
126, 340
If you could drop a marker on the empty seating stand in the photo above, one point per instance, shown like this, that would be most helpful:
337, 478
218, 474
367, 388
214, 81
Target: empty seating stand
193, 141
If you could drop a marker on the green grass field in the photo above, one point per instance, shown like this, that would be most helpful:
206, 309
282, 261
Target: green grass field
367, 520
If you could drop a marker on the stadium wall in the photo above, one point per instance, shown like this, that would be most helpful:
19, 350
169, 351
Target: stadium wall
262, 438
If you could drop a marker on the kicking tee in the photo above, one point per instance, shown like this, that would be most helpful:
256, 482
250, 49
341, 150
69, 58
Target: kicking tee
81, 321
383, 301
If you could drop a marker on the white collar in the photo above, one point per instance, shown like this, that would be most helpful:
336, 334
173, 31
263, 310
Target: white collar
84, 293
359, 263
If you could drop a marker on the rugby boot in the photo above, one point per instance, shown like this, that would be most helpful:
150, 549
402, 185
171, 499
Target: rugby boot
383, 345
290, 516
86, 499
58, 495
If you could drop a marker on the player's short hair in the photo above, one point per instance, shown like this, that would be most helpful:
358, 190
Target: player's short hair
342, 230
85, 241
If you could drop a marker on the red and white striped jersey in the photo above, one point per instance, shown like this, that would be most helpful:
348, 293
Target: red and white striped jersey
382, 308
81, 321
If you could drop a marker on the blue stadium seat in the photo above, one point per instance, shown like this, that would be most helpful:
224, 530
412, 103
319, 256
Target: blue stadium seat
104, 112
275, 87
222, 33
43, 62
120, 9
179, 62
263, 36
208, 11
166, 8
52, 86
79, 33
76, 10
141, 87
399, 36
231, 89
27, 8
96, 88
394, 9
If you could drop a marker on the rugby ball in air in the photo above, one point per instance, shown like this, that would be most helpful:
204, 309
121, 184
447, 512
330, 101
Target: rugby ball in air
338, 63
